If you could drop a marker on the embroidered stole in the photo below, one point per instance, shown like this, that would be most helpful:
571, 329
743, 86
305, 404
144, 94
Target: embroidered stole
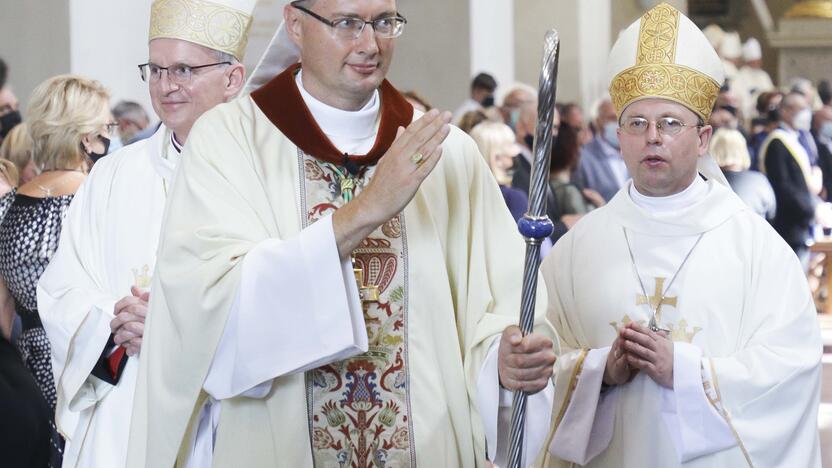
359, 408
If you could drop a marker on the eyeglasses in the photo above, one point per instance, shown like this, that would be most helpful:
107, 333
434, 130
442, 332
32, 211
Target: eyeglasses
111, 127
666, 126
349, 29
179, 73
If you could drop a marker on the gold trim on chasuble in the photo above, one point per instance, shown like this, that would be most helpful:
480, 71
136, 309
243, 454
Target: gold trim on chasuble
359, 408
206, 23
573, 384
719, 407
656, 75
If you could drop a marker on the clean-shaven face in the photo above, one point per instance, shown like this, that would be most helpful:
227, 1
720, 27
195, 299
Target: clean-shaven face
662, 165
179, 105
343, 73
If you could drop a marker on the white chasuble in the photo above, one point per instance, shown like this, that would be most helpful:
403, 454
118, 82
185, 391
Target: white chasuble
108, 244
747, 346
447, 273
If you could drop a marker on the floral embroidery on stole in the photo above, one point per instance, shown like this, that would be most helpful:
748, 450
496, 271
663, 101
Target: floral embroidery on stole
359, 408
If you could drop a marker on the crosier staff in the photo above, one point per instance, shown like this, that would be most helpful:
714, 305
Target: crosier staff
535, 225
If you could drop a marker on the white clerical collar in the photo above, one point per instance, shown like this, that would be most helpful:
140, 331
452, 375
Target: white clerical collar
339, 123
695, 192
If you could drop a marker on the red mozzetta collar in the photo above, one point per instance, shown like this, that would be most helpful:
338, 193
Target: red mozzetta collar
282, 103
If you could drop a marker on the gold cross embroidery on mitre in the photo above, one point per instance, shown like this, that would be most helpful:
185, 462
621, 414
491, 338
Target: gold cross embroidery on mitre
657, 301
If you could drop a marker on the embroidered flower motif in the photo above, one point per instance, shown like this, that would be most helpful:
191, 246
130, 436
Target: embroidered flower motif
334, 416
321, 438
400, 439
388, 414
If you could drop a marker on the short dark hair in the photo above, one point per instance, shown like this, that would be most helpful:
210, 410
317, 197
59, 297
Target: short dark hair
484, 81
825, 92
4, 70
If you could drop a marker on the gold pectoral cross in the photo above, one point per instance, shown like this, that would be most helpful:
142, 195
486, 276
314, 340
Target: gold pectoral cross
368, 293
657, 300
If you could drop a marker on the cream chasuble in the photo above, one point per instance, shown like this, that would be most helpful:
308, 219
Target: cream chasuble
108, 244
746, 342
447, 271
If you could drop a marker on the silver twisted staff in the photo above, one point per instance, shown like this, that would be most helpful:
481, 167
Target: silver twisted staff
535, 224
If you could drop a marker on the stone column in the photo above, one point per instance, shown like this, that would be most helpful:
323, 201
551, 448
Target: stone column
804, 42
584, 29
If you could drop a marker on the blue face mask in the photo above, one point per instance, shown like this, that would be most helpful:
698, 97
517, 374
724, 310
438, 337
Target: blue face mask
610, 134
513, 118
826, 130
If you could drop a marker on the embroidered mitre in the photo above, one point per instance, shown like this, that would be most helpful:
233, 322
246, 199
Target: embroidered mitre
664, 55
221, 25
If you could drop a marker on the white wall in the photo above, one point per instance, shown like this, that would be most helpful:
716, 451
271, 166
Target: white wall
34, 42
107, 39
492, 40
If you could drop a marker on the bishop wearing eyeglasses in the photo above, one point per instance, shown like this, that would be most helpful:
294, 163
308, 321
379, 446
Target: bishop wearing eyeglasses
338, 277
688, 331
93, 298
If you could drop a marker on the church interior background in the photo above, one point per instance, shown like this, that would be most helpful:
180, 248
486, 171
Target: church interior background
446, 42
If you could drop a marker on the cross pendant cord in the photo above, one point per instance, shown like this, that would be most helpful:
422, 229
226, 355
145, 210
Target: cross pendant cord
653, 325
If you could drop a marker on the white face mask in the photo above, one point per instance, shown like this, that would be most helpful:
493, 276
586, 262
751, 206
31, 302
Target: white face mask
611, 134
803, 120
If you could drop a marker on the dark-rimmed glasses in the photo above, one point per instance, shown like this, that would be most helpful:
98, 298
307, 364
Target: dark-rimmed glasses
350, 28
178, 73
666, 126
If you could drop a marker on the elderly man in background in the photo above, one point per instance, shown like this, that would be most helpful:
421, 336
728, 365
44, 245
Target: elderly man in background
601, 167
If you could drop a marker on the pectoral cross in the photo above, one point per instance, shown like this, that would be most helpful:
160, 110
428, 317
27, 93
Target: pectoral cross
657, 300
368, 293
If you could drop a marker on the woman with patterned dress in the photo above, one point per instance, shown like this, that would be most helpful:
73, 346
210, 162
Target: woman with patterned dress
69, 122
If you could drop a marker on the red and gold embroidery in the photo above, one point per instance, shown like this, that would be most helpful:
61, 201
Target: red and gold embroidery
359, 407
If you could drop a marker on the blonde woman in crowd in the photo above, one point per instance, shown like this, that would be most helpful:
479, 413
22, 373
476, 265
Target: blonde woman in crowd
728, 147
17, 148
497, 144
70, 124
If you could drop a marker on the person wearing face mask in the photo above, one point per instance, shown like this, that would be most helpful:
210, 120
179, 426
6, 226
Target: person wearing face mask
822, 134
482, 96
795, 180
9, 116
601, 167
69, 122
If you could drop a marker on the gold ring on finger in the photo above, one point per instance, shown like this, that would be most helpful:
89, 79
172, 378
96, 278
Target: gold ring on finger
418, 159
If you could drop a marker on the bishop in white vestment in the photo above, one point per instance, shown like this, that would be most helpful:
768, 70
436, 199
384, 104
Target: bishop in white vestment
92, 295
722, 289
108, 244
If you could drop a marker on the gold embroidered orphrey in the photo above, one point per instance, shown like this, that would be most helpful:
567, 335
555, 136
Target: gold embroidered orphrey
210, 24
656, 73
359, 408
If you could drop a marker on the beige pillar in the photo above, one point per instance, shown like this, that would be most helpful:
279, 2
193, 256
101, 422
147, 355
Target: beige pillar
584, 29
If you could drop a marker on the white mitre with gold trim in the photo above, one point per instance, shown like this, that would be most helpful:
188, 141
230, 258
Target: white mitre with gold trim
664, 55
217, 24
